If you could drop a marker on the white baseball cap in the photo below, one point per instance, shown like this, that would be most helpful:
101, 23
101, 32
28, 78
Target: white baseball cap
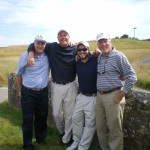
86, 44
40, 38
102, 36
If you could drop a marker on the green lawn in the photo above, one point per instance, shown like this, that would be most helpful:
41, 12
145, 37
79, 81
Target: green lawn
11, 132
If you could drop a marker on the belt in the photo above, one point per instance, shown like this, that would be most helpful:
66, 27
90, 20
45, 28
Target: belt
34, 89
88, 94
109, 91
62, 83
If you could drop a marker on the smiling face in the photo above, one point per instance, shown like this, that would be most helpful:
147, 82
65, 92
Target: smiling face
63, 38
82, 52
39, 47
105, 46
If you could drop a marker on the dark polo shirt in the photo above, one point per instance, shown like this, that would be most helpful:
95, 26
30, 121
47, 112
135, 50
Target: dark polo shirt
87, 75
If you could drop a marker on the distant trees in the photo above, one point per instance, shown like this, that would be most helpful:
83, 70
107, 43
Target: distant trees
125, 36
117, 37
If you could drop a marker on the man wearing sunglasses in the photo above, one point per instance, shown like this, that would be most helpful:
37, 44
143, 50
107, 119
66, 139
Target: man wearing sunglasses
83, 120
112, 64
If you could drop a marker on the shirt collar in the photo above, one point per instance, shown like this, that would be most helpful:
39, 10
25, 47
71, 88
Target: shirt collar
37, 56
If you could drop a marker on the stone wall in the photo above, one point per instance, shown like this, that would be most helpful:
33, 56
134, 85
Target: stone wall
137, 121
136, 124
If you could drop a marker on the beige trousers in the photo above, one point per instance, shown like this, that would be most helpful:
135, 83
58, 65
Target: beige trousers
63, 102
84, 121
109, 120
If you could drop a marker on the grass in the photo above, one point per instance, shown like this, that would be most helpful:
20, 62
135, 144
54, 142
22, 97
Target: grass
8, 61
135, 50
143, 73
11, 132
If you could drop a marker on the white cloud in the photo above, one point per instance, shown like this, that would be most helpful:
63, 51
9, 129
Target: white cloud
83, 19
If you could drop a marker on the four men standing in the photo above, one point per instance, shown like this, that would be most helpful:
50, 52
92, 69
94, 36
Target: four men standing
106, 70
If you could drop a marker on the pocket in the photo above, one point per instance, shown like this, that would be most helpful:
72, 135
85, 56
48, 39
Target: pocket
114, 99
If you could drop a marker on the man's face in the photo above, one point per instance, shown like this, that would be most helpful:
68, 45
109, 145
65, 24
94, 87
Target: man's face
82, 51
39, 47
63, 39
105, 46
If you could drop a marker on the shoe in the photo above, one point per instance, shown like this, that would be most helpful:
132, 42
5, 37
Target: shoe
40, 142
69, 143
28, 147
73, 146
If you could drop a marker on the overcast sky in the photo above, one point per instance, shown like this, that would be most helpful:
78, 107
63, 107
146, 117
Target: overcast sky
21, 20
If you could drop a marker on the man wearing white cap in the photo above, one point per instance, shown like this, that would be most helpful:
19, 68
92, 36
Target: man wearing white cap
32, 87
84, 112
110, 102
63, 87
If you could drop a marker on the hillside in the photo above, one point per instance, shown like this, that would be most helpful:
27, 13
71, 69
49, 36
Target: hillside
124, 44
135, 50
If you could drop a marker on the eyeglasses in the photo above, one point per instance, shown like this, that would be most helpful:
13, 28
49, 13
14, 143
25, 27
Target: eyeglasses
81, 49
102, 70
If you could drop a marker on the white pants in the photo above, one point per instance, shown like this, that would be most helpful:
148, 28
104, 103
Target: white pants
63, 102
84, 121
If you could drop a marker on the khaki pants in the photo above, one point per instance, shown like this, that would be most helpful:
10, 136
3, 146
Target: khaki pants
63, 102
109, 120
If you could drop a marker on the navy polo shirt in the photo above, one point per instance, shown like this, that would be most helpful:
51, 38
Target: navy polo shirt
87, 75
62, 62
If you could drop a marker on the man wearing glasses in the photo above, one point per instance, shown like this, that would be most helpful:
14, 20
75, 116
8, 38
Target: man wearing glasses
110, 102
83, 120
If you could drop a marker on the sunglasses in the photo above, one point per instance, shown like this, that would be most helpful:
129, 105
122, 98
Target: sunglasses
81, 49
